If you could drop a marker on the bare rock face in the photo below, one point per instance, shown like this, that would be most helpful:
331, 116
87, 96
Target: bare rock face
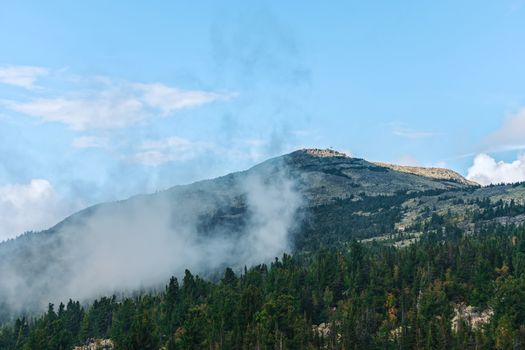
472, 316
430, 172
316, 152
324, 175
323, 329
433, 173
97, 344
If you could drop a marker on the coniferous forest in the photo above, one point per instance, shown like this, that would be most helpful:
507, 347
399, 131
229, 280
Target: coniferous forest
356, 296
262, 175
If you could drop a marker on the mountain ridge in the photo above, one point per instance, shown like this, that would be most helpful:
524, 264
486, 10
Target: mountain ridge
294, 158
431, 172
298, 202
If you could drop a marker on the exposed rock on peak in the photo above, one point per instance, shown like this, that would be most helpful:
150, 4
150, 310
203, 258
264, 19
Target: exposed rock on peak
433, 173
317, 152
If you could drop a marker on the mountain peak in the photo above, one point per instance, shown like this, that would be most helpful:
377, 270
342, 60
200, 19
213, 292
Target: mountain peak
322, 153
442, 174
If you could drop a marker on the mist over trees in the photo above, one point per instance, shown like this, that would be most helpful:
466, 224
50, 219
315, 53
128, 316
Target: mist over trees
137, 244
355, 297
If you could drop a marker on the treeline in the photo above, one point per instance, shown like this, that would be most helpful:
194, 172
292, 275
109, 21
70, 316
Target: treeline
498, 209
355, 217
365, 296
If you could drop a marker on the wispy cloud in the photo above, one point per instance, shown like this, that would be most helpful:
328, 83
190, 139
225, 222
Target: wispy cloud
90, 142
412, 133
105, 110
511, 135
157, 152
169, 99
171, 149
114, 105
21, 76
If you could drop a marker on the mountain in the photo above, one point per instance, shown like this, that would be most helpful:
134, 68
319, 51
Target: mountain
434, 173
322, 177
302, 201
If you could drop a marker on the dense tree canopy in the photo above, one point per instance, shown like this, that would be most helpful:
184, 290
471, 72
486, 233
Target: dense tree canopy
358, 296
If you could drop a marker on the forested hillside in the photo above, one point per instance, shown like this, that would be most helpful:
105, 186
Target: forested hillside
375, 258
300, 201
362, 295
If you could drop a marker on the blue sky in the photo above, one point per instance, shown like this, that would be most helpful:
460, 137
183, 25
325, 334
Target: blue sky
100, 100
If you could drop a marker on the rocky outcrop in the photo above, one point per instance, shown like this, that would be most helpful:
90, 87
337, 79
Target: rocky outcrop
433, 173
316, 152
471, 316
96, 344
322, 329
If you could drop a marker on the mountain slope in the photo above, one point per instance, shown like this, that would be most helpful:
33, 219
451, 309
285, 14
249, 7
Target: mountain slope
320, 176
300, 201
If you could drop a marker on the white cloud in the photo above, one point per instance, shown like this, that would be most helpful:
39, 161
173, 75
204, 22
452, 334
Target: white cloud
486, 170
22, 76
169, 99
114, 105
511, 135
103, 111
90, 142
157, 152
24, 207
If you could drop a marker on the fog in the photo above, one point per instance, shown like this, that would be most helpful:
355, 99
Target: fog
236, 221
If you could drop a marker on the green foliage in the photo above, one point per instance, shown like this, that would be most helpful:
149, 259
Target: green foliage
362, 296
353, 218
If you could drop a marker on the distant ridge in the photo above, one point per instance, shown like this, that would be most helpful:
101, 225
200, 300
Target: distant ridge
433, 173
